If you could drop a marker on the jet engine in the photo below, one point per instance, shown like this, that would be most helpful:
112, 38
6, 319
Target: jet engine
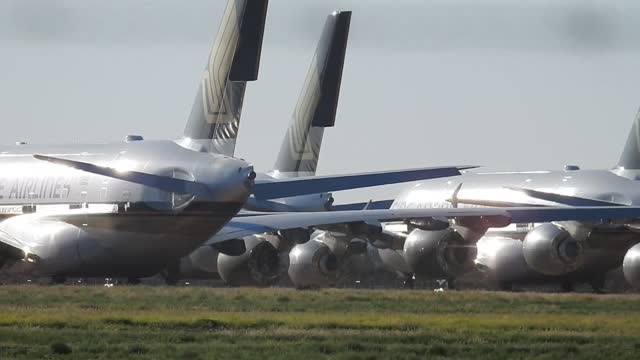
551, 250
292, 237
439, 254
631, 266
313, 264
258, 266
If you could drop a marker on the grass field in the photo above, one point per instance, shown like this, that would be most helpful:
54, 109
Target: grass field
205, 323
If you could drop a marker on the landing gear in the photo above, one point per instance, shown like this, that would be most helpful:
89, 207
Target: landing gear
409, 281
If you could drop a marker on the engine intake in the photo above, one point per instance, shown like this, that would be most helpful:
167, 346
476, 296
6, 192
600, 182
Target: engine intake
631, 266
439, 254
551, 250
258, 266
313, 265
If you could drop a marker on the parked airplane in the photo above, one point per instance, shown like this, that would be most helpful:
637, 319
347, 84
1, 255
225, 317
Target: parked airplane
129, 208
562, 252
502, 253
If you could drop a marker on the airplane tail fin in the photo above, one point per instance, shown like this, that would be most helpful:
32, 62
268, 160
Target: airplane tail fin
318, 101
630, 158
234, 60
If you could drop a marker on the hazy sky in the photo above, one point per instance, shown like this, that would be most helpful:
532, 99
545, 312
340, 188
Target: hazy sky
509, 85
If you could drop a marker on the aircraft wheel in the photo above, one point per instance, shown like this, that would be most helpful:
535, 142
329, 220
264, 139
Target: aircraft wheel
409, 281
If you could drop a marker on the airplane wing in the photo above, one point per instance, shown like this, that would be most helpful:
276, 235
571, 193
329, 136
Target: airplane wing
289, 187
372, 205
563, 199
271, 188
490, 203
164, 183
250, 225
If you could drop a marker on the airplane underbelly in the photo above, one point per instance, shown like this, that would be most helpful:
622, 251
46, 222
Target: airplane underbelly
144, 245
54, 242
131, 244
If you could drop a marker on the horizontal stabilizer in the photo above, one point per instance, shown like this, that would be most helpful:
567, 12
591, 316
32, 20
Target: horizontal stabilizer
282, 188
249, 225
563, 199
164, 183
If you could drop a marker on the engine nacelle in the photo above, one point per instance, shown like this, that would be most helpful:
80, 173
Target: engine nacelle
203, 261
258, 266
551, 250
295, 236
56, 246
392, 261
631, 266
313, 264
439, 254
502, 259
